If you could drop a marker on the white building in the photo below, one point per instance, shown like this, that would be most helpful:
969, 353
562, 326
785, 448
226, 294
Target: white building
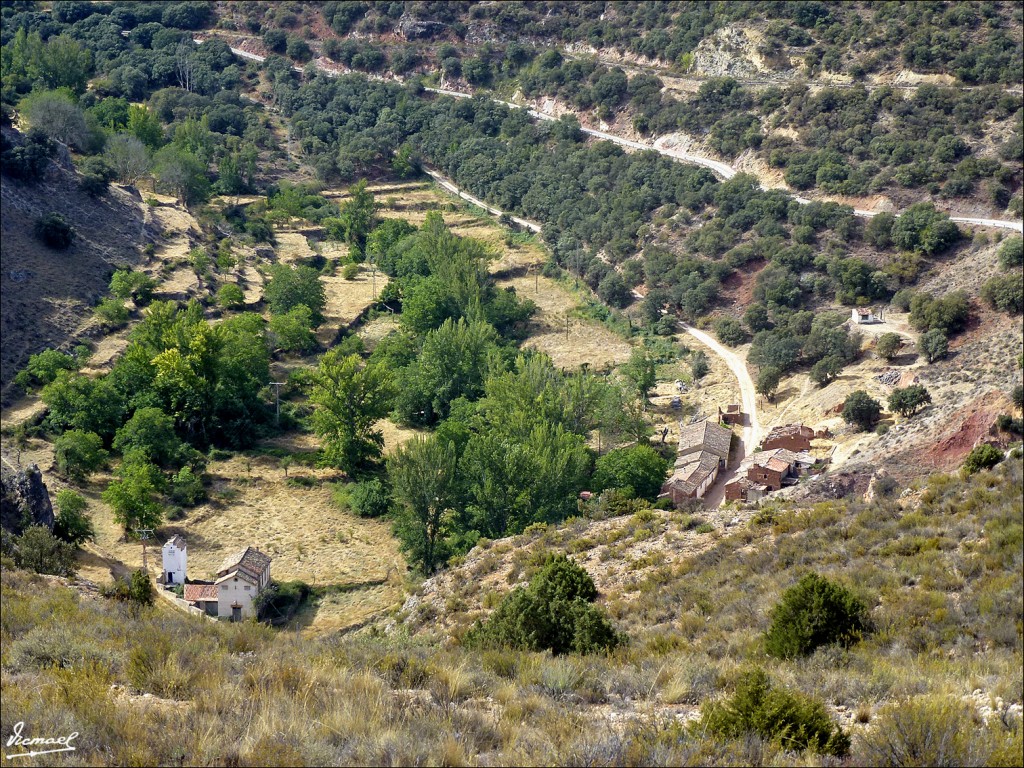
241, 577
864, 316
175, 557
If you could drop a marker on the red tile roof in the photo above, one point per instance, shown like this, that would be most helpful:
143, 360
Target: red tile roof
197, 592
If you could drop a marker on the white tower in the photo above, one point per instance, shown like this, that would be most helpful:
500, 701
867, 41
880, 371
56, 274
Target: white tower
175, 561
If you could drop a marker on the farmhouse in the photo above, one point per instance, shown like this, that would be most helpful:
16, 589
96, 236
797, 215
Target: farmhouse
794, 437
175, 560
703, 452
240, 578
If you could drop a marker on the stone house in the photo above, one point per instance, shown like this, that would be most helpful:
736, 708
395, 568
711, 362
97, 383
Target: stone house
731, 415
703, 452
793, 437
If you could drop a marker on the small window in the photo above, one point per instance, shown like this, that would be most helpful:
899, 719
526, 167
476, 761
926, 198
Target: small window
246, 587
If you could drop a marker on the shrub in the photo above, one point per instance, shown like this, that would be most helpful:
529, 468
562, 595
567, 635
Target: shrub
291, 330
138, 286
78, 453
935, 731
1004, 293
187, 488
281, 601
933, 345
369, 498
230, 296
350, 271
43, 369
639, 467
889, 345
982, 457
907, 401
812, 613
554, 612
136, 588
37, 549
1011, 253
112, 313
96, 176
54, 231
729, 331
795, 722
72, 524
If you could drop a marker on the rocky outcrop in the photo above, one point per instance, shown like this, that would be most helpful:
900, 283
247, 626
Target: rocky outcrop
24, 500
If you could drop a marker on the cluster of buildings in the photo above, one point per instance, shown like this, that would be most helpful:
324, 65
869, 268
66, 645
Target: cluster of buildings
703, 453
240, 578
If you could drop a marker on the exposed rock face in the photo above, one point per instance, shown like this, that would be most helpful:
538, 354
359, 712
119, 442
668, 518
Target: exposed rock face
414, 29
24, 499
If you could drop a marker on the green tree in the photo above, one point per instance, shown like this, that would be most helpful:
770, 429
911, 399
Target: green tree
65, 63
145, 126
1005, 293
134, 494
350, 398
150, 433
768, 380
826, 369
907, 401
231, 296
39, 550
933, 345
555, 613
453, 362
181, 173
291, 331
889, 345
814, 612
861, 410
289, 287
355, 218
77, 454
640, 370
639, 467
424, 482
42, 368
72, 524
984, 456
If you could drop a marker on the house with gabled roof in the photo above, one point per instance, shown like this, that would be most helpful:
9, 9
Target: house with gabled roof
240, 578
703, 452
175, 560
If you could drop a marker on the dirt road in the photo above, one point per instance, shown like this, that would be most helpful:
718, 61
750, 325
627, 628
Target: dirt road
751, 434
533, 226
721, 169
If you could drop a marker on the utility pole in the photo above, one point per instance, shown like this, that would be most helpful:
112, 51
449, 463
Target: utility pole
144, 534
277, 390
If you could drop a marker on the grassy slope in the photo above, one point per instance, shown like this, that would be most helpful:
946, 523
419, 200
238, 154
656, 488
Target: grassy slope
941, 570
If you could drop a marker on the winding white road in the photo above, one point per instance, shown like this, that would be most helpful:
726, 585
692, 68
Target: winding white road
721, 169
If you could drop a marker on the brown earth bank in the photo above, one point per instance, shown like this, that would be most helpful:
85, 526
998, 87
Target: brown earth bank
47, 294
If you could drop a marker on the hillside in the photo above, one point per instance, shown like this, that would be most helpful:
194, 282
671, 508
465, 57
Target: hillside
943, 657
443, 340
48, 294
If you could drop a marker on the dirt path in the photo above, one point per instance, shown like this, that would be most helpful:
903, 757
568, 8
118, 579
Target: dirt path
723, 170
751, 434
449, 185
